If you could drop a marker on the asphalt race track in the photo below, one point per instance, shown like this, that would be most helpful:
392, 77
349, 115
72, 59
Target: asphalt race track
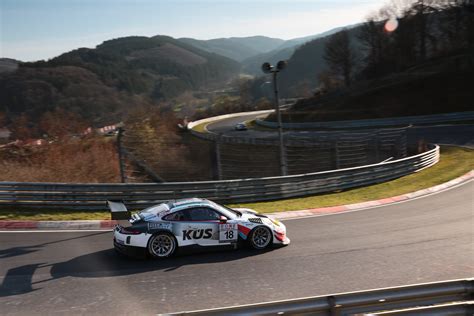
423, 240
455, 134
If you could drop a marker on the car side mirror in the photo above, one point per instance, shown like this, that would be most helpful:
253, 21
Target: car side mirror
222, 219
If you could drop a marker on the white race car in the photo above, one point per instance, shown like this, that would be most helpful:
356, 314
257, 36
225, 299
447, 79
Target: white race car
161, 229
240, 127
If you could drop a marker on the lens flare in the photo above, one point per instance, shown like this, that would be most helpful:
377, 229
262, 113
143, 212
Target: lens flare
391, 25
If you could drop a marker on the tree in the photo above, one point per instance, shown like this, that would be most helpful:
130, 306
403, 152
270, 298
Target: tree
3, 119
246, 98
22, 128
371, 38
420, 12
339, 55
61, 123
456, 25
327, 83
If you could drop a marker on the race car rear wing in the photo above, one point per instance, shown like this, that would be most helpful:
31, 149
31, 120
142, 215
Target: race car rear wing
118, 211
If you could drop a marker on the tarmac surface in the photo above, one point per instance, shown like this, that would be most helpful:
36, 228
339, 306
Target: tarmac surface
421, 240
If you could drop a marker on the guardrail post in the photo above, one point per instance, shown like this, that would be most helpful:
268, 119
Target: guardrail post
333, 311
377, 146
120, 155
218, 157
336, 152
404, 143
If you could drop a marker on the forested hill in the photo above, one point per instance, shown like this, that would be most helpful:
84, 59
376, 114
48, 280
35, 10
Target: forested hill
159, 66
307, 63
101, 81
423, 31
237, 48
251, 65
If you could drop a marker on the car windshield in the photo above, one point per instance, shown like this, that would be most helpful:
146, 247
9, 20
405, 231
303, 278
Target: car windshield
226, 211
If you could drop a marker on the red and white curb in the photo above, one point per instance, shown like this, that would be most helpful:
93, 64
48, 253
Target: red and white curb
67, 225
363, 205
108, 224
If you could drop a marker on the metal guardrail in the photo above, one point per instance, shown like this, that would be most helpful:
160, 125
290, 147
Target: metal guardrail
138, 195
393, 121
439, 298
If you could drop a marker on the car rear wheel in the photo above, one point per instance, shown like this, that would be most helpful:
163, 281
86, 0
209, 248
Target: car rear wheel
161, 245
260, 237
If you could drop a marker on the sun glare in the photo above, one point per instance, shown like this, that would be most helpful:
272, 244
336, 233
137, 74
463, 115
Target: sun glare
391, 25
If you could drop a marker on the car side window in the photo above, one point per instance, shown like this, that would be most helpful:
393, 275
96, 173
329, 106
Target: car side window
177, 216
204, 214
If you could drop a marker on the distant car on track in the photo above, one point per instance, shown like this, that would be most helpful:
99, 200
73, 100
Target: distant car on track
161, 229
240, 127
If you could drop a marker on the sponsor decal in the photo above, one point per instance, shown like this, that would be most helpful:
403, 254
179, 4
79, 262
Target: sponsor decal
154, 226
244, 231
197, 234
147, 217
119, 241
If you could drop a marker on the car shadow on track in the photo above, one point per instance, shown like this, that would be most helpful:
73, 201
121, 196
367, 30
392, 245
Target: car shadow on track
23, 250
107, 263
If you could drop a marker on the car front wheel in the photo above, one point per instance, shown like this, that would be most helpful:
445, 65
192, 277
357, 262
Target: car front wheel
161, 245
260, 237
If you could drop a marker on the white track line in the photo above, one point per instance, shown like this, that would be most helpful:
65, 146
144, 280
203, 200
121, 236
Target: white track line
382, 205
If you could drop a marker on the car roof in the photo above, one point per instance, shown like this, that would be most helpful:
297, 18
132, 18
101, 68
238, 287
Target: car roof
186, 203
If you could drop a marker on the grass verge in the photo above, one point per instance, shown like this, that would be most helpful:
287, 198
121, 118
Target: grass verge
455, 162
200, 128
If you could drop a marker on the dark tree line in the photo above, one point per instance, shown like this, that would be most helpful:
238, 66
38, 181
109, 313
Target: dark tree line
426, 29
340, 56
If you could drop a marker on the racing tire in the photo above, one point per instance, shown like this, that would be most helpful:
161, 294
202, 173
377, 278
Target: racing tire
162, 245
260, 237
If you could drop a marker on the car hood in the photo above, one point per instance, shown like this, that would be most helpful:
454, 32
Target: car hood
247, 211
249, 214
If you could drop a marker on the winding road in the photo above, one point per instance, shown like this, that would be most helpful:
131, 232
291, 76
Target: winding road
422, 240
454, 134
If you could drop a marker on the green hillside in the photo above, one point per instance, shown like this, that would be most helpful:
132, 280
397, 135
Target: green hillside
159, 66
236, 48
116, 75
307, 63
252, 64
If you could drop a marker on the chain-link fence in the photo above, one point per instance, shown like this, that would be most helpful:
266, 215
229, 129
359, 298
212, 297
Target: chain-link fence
238, 157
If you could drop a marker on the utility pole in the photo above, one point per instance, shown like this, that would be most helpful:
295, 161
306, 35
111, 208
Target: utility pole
268, 68
120, 155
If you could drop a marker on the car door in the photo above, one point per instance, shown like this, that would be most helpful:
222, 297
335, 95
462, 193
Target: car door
180, 221
203, 226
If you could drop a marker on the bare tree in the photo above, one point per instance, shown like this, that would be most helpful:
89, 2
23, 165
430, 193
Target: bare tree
376, 48
457, 24
339, 55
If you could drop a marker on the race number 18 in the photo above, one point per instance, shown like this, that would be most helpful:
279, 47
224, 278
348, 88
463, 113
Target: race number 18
228, 232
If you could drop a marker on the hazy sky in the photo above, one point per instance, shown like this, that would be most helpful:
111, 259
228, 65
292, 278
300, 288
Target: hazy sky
42, 29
